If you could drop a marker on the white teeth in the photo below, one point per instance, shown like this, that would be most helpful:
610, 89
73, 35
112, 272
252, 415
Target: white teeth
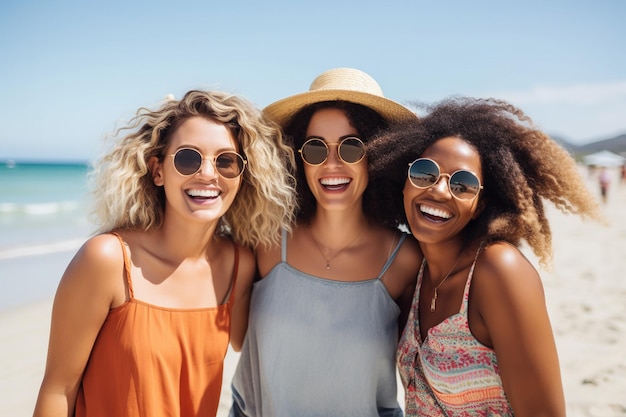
435, 212
334, 181
203, 193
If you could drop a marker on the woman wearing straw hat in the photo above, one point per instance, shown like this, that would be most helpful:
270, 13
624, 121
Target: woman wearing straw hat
323, 324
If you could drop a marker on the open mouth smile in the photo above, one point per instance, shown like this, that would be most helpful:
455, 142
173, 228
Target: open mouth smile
336, 183
434, 214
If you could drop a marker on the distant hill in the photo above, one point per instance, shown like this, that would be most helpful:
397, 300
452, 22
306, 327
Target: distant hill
616, 145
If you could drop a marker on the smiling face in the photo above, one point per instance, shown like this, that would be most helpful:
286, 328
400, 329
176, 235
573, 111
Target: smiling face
205, 195
335, 184
434, 215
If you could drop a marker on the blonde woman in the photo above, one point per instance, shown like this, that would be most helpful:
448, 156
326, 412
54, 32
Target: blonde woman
144, 312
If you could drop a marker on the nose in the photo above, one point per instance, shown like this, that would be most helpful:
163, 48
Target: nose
208, 168
333, 154
442, 186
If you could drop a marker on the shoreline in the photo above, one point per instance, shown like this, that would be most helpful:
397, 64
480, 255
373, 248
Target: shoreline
42, 249
26, 280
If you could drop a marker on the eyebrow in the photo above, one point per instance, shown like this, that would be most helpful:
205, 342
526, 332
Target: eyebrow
339, 139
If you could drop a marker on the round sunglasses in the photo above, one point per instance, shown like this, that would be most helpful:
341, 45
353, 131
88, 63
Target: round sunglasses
188, 161
424, 173
315, 150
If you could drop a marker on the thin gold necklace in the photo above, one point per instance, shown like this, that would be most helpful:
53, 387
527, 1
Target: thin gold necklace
319, 248
434, 299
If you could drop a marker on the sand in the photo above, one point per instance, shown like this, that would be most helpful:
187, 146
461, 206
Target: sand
585, 292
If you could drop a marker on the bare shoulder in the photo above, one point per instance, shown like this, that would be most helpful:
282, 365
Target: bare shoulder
96, 271
409, 257
506, 295
505, 264
267, 256
224, 253
503, 273
101, 254
245, 254
105, 246
410, 247
401, 276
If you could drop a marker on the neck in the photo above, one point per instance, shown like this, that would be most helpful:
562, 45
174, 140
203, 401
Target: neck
441, 258
333, 235
335, 231
186, 240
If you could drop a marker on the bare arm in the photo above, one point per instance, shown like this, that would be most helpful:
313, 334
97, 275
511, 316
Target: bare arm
401, 278
509, 295
83, 300
241, 306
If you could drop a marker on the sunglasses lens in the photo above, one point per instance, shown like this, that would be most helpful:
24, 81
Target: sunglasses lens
314, 151
352, 150
187, 161
423, 173
464, 185
229, 164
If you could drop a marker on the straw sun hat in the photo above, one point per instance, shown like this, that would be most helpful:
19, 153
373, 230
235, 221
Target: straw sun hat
347, 84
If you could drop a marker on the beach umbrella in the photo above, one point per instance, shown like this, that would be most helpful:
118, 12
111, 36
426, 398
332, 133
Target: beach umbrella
604, 159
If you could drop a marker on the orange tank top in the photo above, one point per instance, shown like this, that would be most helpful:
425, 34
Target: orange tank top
155, 361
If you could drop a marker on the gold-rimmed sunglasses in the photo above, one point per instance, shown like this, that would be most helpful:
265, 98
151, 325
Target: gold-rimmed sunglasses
188, 161
315, 150
424, 173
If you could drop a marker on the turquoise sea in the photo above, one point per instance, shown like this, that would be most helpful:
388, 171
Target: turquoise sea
43, 221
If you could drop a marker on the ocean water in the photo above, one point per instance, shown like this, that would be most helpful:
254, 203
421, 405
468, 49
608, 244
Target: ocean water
43, 221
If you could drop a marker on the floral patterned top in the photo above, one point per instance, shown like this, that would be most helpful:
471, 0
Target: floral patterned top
450, 373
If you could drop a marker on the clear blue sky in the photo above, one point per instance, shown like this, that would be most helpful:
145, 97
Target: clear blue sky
71, 71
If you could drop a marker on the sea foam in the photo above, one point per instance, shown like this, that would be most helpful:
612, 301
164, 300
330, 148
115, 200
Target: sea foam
43, 249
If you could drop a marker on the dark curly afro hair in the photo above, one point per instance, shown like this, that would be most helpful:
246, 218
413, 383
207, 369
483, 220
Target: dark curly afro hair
521, 165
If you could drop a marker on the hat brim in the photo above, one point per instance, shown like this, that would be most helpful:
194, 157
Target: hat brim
283, 110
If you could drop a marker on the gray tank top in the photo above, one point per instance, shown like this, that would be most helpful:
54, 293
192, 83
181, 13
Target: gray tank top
317, 347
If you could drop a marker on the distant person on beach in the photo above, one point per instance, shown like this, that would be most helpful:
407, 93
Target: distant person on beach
324, 318
144, 312
604, 180
474, 174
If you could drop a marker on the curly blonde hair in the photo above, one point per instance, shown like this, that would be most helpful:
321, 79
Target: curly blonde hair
521, 165
125, 197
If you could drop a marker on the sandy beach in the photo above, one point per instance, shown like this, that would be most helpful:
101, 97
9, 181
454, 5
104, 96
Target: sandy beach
585, 292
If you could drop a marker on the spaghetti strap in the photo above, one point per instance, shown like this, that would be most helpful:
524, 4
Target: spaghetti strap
283, 246
465, 302
129, 282
392, 256
231, 296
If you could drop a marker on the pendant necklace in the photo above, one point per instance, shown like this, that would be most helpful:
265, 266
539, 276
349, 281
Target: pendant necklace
319, 248
434, 299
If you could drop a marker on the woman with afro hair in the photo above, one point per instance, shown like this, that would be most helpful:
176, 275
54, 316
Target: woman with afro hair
474, 175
